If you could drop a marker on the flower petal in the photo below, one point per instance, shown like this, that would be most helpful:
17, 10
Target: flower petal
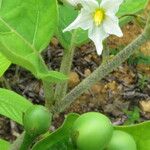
89, 5
111, 5
111, 25
97, 35
84, 21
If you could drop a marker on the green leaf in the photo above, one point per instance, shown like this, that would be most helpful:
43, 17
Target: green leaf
63, 145
67, 14
4, 145
132, 116
26, 28
131, 7
53, 76
140, 132
143, 59
60, 135
13, 105
32, 22
4, 64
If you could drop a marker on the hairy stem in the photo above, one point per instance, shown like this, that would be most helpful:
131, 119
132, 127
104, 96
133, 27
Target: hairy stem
105, 54
49, 94
27, 141
61, 88
98, 74
103, 70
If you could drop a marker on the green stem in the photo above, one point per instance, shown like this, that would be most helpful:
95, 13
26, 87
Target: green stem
61, 88
103, 70
105, 54
49, 94
98, 74
27, 141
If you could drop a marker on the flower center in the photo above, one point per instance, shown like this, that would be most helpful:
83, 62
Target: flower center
99, 16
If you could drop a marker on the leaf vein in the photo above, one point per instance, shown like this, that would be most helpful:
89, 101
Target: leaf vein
36, 26
20, 36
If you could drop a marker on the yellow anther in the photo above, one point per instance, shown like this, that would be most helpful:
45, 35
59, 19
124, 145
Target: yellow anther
98, 16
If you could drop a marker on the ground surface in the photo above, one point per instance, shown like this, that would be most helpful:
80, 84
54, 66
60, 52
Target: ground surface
124, 95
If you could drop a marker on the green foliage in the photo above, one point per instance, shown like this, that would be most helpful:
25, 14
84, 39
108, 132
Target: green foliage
143, 59
26, 28
143, 81
13, 105
4, 145
139, 58
4, 64
67, 14
58, 138
140, 133
133, 116
131, 7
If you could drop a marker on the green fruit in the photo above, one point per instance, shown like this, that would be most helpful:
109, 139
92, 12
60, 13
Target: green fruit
37, 120
121, 141
92, 131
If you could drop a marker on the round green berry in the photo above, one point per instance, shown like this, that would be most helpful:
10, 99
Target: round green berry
92, 131
37, 120
121, 141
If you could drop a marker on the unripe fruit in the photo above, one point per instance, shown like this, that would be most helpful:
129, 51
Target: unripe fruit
92, 131
121, 141
37, 120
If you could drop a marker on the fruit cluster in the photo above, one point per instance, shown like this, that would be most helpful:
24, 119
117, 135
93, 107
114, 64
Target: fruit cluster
90, 131
94, 131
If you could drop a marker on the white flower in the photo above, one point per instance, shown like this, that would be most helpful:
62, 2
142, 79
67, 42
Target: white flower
99, 19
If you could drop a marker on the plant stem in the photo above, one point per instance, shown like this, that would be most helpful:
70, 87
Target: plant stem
49, 94
105, 54
103, 70
61, 88
98, 74
27, 141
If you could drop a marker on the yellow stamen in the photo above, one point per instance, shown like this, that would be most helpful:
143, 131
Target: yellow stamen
99, 16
